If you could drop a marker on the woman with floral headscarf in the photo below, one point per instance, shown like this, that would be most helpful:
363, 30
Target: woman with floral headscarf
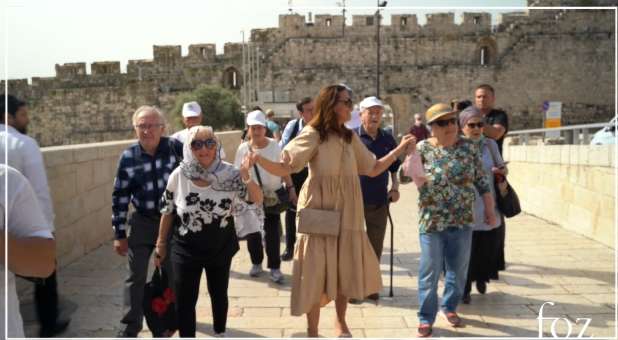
202, 191
484, 260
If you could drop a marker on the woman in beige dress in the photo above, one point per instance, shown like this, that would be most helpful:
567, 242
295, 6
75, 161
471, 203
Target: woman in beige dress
332, 267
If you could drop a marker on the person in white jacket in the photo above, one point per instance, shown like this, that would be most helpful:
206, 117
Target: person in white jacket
31, 246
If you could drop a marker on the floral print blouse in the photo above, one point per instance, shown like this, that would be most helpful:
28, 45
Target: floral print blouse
205, 232
453, 173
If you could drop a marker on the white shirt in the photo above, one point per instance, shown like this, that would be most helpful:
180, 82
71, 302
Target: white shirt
25, 156
24, 220
183, 136
272, 152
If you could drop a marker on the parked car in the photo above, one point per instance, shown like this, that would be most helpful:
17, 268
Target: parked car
606, 135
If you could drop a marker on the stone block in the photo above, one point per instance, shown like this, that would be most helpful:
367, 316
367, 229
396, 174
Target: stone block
85, 153
583, 156
85, 176
586, 199
60, 170
109, 189
65, 240
113, 149
598, 155
63, 189
604, 230
565, 154
103, 171
95, 199
601, 182
607, 208
57, 155
97, 228
68, 212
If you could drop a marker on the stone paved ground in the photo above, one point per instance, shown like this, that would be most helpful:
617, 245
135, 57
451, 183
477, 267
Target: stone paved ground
545, 263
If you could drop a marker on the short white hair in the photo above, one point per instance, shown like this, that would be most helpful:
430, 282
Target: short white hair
196, 130
148, 109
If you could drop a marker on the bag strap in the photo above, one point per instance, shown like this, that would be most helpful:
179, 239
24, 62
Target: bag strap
257, 174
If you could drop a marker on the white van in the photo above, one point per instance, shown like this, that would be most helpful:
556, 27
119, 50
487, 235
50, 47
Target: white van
606, 135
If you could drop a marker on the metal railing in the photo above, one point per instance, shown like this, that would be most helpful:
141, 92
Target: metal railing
573, 134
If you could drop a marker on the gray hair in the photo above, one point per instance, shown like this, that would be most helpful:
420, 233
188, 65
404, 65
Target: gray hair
147, 109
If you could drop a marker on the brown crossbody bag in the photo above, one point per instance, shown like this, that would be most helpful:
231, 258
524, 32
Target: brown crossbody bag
324, 222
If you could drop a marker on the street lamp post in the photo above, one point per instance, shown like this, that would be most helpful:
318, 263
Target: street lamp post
380, 5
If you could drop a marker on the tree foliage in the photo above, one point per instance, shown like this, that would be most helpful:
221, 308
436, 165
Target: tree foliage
220, 107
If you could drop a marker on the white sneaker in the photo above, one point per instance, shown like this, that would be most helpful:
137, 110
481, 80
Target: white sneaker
220, 335
276, 276
256, 270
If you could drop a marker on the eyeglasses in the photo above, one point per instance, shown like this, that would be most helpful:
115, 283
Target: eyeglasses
147, 126
209, 143
348, 103
444, 122
476, 125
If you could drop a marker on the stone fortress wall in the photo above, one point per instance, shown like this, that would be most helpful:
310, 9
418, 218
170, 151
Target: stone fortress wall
529, 57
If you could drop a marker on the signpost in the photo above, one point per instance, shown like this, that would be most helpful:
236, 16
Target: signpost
552, 117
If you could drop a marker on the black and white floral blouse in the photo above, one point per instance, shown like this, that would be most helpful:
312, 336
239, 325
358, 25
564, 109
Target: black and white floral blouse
205, 233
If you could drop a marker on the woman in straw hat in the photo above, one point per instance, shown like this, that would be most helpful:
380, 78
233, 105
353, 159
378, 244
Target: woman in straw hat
454, 173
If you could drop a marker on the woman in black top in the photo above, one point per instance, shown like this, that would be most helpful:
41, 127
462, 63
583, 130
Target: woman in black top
203, 191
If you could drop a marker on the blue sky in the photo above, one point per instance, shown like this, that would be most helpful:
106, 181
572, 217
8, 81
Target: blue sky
42, 33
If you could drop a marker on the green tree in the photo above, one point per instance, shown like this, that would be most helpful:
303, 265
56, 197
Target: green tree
220, 107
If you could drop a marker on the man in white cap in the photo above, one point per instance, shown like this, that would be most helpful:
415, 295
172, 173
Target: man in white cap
191, 116
376, 195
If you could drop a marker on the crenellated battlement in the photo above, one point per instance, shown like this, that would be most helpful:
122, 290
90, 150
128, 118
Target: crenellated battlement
530, 57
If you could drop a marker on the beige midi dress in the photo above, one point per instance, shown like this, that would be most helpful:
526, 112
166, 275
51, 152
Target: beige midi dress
325, 266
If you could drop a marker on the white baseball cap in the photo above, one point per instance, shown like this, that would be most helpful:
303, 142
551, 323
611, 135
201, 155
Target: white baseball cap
355, 121
256, 117
369, 102
191, 109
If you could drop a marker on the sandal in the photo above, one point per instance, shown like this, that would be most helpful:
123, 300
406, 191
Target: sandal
424, 330
453, 319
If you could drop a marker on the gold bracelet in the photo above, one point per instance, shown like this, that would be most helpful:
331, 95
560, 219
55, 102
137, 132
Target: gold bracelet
246, 181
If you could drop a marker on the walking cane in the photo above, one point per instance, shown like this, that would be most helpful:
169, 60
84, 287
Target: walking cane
390, 219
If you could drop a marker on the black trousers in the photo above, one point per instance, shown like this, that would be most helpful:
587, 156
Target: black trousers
46, 302
272, 226
187, 278
290, 229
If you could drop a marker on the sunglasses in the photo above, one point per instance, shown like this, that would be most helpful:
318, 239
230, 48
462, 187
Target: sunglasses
445, 122
197, 144
348, 103
475, 125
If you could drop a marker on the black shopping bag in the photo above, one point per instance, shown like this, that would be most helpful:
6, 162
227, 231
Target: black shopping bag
160, 305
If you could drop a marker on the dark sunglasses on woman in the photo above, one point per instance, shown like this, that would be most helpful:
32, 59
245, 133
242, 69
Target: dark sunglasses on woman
476, 125
197, 144
444, 122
